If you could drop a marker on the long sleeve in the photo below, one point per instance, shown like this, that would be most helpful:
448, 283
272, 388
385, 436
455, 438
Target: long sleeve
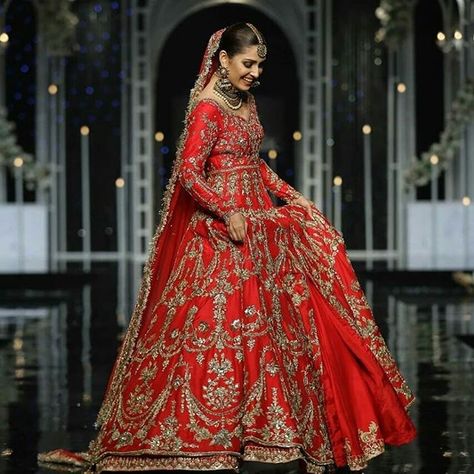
276, 185
202, 135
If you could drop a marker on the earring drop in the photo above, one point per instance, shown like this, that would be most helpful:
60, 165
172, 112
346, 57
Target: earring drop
225, 90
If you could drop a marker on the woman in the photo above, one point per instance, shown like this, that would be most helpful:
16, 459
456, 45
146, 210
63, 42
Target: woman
251, 338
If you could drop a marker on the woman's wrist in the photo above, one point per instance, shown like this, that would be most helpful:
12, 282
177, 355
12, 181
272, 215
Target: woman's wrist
226, 216
294, 195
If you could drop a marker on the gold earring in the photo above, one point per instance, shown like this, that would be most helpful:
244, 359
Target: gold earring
223, 83
222, 72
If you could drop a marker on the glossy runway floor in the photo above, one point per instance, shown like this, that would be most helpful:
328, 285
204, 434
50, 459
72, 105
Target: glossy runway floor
57, 348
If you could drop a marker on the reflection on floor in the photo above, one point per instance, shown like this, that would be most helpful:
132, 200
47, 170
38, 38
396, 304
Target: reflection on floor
56, 352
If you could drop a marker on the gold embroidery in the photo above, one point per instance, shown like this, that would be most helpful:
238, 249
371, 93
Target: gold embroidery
216, 368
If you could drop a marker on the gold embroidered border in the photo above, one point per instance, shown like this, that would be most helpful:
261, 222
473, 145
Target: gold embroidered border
149, 463
233, 168
357, 463
205, 462
262, 452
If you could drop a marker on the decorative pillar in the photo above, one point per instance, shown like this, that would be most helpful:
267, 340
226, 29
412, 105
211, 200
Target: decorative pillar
142, 208
468, 73
401, 139
314, 177
56, 26
42, 99
3, 47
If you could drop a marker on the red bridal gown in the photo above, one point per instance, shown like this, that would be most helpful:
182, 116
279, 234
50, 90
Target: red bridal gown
263, 350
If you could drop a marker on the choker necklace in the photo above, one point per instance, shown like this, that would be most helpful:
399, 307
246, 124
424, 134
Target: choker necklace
230, 95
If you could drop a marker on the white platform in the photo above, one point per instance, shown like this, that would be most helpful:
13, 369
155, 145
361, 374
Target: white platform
440, 236
23, 238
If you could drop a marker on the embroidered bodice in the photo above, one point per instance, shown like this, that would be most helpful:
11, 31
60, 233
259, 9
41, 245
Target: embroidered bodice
221, 167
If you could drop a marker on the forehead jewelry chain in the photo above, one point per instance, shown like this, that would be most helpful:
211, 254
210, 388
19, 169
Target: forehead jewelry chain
261, 47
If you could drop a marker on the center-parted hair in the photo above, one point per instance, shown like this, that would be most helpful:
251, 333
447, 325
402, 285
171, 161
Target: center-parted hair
237, 37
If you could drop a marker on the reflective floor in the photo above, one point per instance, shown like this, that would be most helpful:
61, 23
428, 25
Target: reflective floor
57, 348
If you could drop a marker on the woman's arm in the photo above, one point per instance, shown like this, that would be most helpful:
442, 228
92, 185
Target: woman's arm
276, 185
201, 137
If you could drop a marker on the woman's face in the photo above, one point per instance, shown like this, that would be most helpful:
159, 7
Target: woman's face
244, 68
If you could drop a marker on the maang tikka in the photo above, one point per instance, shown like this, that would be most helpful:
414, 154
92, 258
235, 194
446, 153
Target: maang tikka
261, 47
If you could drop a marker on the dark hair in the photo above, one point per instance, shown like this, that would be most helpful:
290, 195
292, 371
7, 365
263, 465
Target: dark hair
238, 37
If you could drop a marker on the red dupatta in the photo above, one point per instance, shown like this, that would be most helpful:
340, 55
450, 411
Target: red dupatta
175, 215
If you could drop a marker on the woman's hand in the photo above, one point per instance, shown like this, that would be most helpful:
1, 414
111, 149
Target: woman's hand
302, 201
237, 226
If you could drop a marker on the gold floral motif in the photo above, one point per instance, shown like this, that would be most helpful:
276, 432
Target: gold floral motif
139, 400
168, 438
370, 445
220, 367
276, 428
220, 396
272, 368
148, 373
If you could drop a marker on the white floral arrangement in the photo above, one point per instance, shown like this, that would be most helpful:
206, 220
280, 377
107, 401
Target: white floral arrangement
34, 174
461, 113
394, 16
58, 24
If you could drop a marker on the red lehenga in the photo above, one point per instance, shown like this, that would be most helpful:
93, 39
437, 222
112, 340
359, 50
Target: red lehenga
263, 350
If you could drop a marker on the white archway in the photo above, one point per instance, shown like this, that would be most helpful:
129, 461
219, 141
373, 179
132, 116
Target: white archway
166, 15
306, 24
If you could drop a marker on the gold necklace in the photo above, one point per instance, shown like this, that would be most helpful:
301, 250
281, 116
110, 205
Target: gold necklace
231, 96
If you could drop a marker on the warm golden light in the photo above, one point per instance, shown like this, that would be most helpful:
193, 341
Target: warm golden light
457, 35
18, 343
337, 181
466, 200
53, 89
441, 36
366, 129
85, 130
18, 162
159, 136
4, 38
120, 182
401, 87
434, 160
19, 373
272, 154
297, 136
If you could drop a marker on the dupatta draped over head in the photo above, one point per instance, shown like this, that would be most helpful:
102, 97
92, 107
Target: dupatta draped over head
177, 209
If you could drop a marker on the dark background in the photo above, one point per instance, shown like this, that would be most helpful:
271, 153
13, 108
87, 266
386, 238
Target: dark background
94, 78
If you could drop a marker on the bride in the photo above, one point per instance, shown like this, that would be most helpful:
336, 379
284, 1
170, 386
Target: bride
251, 338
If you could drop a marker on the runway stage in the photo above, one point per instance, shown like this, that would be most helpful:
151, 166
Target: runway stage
57, 348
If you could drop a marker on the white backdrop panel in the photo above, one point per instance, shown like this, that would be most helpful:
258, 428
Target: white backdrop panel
23, 238
440, 236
